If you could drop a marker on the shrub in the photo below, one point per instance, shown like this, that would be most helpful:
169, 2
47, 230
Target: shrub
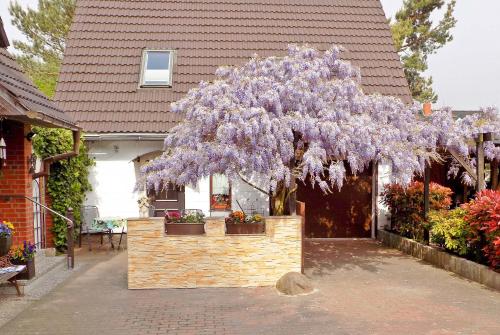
483, 215
407, 206
450, 230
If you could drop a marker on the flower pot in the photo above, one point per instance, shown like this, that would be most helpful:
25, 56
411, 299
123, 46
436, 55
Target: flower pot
245, 228
27, 273
5, 244
184, 228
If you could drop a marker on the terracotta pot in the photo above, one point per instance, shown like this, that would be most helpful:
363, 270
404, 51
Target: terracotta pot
5, 244
245, 228
184, 228
29, 272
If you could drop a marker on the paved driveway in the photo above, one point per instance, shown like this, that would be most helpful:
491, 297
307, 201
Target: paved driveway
363, 288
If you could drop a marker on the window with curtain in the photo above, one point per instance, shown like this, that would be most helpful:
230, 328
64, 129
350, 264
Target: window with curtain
220, 193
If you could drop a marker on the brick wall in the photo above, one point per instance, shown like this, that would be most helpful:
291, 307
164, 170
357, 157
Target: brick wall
16, 180
214, 259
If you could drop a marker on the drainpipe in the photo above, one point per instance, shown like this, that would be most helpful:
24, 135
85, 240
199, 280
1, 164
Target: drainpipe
45, 171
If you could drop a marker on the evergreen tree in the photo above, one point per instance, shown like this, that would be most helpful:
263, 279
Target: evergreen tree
45, 29
416, 37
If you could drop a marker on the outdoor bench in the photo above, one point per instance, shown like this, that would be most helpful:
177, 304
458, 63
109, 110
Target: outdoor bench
8, 274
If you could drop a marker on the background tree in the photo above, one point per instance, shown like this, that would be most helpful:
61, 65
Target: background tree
416, 37
45, 29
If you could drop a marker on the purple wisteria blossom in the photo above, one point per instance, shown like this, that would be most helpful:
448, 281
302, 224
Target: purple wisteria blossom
300, 116
460, 135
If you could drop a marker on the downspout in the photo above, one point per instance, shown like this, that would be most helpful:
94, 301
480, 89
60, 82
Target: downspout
45, 170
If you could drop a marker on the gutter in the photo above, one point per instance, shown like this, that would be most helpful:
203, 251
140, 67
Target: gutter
124, 136
45, 171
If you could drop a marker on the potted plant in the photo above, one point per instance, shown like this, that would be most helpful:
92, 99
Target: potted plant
240, 223
24, 255
6, 232
184, 222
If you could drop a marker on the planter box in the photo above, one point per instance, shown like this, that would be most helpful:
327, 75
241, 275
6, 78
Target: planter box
442, 259
29, 272
245, 228
184, 228
5, 244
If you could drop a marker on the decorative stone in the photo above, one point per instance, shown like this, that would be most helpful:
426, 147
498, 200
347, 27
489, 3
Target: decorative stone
294, 283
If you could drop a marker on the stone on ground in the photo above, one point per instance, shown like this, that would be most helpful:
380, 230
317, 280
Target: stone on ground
294, 283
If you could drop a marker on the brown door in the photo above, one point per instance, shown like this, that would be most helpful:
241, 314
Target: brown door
345, 213
172, 197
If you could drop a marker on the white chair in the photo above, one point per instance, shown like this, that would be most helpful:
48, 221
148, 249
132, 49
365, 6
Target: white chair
88, 214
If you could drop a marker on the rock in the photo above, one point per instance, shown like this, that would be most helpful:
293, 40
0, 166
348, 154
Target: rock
294, 283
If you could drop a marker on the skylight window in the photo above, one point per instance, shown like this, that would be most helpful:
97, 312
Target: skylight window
156, 68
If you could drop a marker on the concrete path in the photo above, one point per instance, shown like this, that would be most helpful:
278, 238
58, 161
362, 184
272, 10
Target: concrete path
363, 288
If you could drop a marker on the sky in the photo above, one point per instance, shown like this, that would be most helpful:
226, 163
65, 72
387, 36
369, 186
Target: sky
466, 71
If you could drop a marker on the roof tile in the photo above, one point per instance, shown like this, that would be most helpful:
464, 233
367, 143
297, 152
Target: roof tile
100, 73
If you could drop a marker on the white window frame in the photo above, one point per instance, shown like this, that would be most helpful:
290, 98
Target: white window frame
143, 67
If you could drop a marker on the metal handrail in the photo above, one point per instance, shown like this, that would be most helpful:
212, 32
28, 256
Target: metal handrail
70, 224
39, 204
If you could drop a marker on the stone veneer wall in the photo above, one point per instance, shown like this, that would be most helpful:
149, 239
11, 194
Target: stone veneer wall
156, 260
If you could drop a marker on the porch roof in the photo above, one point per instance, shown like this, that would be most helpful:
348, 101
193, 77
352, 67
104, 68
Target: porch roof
20, 100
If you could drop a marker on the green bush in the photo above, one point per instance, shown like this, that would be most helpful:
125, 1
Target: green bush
68, 181
450, 230
407, 206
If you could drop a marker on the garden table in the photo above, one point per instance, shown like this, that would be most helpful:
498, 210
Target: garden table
107, 224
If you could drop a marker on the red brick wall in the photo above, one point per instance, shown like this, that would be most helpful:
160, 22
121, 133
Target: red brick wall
16, 180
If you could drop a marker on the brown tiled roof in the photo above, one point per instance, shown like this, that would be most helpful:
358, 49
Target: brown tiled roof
100, 74
22, 101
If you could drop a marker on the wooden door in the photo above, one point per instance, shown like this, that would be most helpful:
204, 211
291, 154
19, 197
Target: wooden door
344, 214
172, 197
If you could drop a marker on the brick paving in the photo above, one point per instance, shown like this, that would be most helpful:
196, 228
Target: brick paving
363, 288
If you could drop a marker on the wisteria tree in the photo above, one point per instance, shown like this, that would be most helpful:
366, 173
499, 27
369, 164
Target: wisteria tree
299, 117
460, 136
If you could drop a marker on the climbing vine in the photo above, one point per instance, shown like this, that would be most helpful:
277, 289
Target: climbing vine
68, 181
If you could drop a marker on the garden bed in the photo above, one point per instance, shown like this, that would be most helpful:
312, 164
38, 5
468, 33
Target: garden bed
442, 259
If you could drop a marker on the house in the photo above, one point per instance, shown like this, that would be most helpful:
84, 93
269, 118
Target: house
126, 61
22, 106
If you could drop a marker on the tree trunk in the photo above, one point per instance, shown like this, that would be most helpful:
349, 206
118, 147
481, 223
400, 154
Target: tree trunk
283, 200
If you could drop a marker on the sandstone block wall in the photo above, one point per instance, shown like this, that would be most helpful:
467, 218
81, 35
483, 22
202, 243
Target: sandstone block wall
156, 260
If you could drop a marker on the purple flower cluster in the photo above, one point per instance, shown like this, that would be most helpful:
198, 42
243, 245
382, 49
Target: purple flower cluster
4, 229
301, 116
24, 253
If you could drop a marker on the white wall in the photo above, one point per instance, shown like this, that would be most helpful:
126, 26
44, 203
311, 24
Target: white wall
384, 178
114, 176
198, 197
248, 197
116, 171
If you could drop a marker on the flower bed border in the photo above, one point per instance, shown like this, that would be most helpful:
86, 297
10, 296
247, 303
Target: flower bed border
442, 259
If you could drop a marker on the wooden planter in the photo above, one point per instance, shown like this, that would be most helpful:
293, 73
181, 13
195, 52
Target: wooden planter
245, 228
5, 244
27, 273
184, 228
